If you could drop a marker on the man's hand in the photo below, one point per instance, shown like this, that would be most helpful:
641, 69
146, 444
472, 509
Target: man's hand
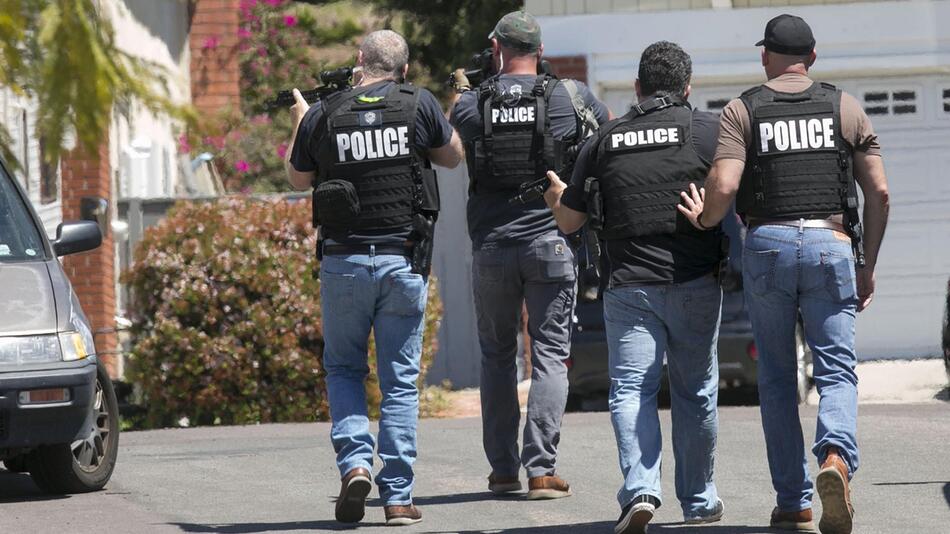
865, 280
692, 206
553, 195
299, 109
460, 81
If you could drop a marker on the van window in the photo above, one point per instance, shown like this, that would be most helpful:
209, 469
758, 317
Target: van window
20, 239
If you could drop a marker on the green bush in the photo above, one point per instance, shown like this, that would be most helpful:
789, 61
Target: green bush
227, 316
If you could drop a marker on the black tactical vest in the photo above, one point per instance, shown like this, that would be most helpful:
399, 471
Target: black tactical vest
799, 164
643, 161
371, 174
516, 145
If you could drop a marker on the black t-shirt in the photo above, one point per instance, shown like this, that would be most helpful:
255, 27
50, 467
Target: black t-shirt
661, 258
491, 219
432, 131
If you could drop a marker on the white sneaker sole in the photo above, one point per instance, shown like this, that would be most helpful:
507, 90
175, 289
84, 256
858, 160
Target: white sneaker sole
546, 494
402, 521
635, 522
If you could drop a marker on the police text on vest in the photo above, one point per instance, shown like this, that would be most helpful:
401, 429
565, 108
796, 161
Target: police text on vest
656, 136
373, 144
518, 115
802, 134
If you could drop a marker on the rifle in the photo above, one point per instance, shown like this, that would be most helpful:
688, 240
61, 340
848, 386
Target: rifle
483, 68
332, 80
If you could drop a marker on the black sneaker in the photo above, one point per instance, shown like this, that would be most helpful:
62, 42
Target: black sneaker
635, 515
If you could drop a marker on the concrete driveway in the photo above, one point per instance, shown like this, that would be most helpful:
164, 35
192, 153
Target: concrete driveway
281, 478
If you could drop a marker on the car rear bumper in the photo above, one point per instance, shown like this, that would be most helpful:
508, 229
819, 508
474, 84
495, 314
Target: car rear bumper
25, 426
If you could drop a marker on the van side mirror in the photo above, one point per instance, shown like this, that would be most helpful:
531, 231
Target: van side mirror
76, 236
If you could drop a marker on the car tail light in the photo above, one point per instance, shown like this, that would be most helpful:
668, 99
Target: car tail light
44, 396
569, 363
752, 351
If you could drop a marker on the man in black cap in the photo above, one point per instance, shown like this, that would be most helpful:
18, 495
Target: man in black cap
516, 126
790, 153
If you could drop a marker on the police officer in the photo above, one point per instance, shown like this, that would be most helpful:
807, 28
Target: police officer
516, 126
367, 151
790, 152
663, 295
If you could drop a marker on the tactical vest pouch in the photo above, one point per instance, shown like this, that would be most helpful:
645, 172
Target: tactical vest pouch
336, 204
595, 204
429, 200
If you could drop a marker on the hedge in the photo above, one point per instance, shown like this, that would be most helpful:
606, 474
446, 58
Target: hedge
227, 316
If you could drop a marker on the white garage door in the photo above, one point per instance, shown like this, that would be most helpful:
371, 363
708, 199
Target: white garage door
912, 119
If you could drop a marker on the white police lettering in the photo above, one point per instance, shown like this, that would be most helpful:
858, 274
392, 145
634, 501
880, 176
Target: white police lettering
518, 115
656, 136
373, 144
801, 134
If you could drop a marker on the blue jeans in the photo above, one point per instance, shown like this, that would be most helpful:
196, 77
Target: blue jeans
789, 271
643, 323
361, 293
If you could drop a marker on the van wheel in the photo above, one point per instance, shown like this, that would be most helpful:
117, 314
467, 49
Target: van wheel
803, 359
87, 463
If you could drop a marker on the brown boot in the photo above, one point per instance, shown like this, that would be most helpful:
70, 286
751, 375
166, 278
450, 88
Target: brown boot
832, 481
501, 485
801, 521
351, 504
402, 515
548, 487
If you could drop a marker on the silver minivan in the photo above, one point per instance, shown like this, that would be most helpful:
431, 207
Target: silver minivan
59, 417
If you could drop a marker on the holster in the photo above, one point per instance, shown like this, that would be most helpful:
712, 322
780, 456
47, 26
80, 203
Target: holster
423, 232
595, 204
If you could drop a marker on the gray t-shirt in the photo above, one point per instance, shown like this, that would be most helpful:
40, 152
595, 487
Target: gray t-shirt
491, 219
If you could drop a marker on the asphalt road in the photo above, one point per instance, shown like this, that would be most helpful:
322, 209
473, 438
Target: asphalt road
281, 478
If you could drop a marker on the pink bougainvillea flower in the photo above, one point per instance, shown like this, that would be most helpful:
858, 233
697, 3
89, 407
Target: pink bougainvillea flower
249, 4
244, 33
211, 42
290, 20
242, 166
274, 3
282, 150
183, 146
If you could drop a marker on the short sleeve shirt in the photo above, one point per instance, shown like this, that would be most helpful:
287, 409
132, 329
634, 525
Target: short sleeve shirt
735, 127
432, 131
491, 219
661, 258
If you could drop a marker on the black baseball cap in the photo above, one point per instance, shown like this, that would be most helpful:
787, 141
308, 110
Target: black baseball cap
789, 35
518, 29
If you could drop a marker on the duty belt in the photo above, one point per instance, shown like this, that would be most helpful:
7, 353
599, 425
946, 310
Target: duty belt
799, 223
376, 250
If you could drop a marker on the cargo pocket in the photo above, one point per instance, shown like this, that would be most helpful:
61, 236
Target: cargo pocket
839, 276
759, 270
336, 292
555, 260
407, 294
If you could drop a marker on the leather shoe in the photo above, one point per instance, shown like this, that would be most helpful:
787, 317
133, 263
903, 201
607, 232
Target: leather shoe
837, 514
402, 515
548, 487
351, 504
801, 520
501, 485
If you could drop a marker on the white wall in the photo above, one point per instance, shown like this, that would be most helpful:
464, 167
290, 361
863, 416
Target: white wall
863, 48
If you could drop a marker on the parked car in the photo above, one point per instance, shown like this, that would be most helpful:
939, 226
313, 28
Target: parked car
59, 418
589, 376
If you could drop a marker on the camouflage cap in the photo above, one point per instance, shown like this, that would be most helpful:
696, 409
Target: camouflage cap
518, 29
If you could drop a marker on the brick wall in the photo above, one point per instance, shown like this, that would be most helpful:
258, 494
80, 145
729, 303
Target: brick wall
92, 273
574, 67
215, 73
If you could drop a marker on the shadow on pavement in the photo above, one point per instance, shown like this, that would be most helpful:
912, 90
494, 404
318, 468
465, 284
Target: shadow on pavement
711, 529
19, 487
946, 493
457, 498
607, 526
250, 528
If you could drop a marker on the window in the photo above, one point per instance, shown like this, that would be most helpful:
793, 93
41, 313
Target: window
716, 105
899, 102
49, 176
20, 239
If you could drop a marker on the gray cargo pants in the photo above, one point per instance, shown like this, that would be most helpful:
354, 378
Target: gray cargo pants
542, 274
